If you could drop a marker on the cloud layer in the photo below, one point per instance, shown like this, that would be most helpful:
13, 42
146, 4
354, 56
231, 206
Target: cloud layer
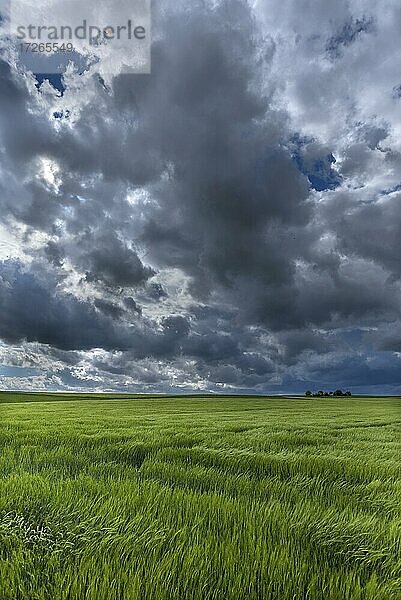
229, 222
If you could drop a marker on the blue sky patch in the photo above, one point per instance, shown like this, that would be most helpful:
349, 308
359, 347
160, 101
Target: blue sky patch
7, 371
315, 165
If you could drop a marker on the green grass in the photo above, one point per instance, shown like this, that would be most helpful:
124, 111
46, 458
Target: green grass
199, 498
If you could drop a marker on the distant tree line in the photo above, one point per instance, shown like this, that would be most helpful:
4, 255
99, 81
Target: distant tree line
321, 394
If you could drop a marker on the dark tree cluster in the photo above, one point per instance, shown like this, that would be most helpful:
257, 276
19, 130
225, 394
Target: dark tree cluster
321, 394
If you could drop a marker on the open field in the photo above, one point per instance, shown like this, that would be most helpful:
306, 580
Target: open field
200, 499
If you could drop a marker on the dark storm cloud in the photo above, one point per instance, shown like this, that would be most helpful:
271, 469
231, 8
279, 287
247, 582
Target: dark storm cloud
386, 337
13, 95
374, 232
373, 135
231, 177
58, 319
33, 310
213, 347
358, 370
54, 254
198, 174
113, 261
298, 341
109, 308
233, 189
132, 306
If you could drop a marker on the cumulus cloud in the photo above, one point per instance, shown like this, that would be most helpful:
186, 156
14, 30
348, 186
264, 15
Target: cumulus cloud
229, 221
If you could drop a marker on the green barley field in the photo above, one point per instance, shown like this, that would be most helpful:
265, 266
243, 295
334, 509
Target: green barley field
153, 498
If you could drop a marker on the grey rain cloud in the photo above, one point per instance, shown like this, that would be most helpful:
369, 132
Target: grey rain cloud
229, 222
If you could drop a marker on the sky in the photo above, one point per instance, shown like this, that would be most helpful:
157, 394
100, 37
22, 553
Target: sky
230, 222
